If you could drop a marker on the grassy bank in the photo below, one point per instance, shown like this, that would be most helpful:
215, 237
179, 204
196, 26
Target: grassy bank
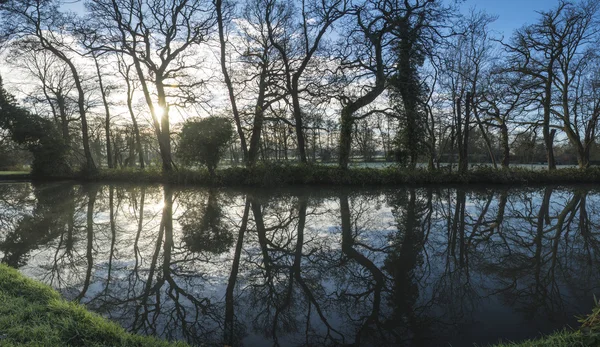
33, 314
278, 175
587, 335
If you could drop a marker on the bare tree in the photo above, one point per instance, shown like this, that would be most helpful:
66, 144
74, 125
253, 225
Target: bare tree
56, 84
363, 57
254, 89
579, 27
104, 92
159, 37
125, 70
297, 34
41, 22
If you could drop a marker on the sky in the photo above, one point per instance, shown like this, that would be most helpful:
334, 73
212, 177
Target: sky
512, 14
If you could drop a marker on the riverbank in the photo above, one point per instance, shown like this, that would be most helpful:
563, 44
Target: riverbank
33, 314
282, 175
270, 175
14, 175
585, 336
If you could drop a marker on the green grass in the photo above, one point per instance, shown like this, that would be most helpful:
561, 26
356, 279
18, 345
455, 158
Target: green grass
587, 335
286, 174
33, 314
560, 339
14, 174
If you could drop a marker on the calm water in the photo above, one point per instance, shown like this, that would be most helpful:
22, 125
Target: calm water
405, 266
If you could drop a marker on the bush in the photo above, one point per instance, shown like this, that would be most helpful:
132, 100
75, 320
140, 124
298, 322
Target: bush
37, 134
204, 141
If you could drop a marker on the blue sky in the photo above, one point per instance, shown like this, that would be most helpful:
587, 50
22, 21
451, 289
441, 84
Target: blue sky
512, 14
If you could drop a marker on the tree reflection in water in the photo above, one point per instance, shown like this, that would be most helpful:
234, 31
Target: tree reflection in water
407, 266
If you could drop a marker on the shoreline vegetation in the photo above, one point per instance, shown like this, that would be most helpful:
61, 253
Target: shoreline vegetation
33, 314
277, 174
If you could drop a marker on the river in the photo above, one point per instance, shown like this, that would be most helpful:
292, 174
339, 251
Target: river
313, 266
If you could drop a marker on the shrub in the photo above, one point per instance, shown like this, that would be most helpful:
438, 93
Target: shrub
204, 141
37, 134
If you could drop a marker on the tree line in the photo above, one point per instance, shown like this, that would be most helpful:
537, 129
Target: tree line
413, 81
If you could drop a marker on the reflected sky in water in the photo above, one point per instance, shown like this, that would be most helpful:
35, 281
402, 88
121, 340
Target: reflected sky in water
306, 267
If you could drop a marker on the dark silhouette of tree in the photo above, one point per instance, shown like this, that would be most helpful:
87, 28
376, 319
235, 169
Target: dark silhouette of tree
37, 134
205, 141
40, 24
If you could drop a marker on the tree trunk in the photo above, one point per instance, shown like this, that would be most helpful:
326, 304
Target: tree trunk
345, 139
408, 87
486, 138
549, 142
64, 122
583, 156
251, 155
161, 128
106, 112
549, 135
299, 130
90, 166
234, 109
505, 146
89, 160
136, 129
164, 140
464, 165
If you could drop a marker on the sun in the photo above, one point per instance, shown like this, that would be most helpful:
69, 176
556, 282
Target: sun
159, 111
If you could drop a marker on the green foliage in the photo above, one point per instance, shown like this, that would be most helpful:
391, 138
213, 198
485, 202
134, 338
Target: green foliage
204, 141
8, 160
33, 314
587, 335
37, 134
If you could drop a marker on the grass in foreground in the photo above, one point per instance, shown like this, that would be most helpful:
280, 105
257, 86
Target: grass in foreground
33, 314
587, 335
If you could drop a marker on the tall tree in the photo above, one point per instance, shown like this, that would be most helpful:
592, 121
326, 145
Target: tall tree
297, 34
533, 53
222, 14
41, 21
417, 27
159, 37
104, 92
576, 67
56, 84
363, 60
255, 89
125, 70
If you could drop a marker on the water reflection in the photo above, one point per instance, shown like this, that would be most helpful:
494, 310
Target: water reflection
406, 266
